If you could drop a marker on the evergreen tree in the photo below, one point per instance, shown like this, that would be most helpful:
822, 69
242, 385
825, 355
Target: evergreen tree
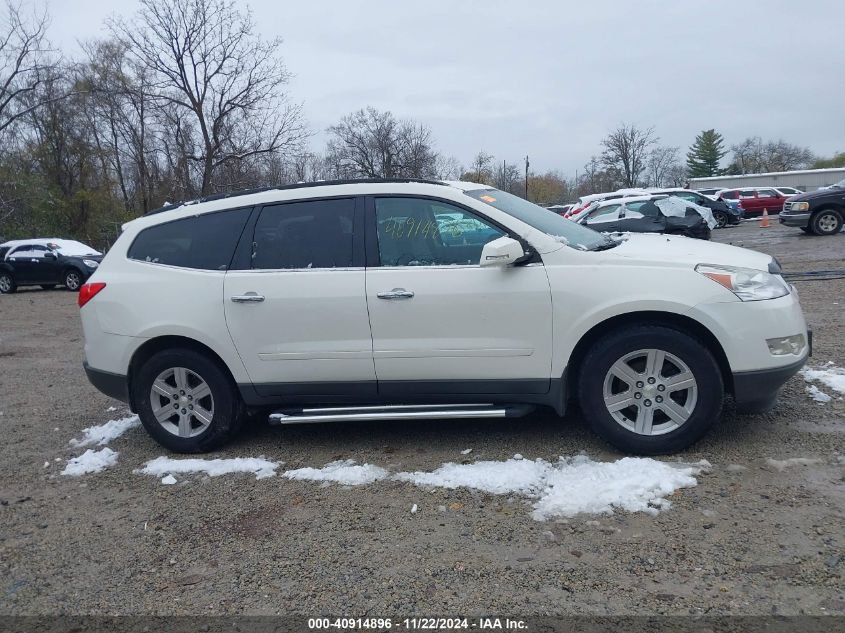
704, 155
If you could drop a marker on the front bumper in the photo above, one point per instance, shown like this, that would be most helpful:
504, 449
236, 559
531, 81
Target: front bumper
795, 219
113, 385
757, 391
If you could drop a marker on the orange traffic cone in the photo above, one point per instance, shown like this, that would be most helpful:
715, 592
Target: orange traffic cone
764, 221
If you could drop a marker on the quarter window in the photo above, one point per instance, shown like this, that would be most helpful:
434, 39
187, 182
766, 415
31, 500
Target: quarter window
204, 242
312, 234
609, 213
420, 232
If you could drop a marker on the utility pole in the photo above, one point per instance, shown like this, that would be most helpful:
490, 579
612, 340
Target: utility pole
526, 177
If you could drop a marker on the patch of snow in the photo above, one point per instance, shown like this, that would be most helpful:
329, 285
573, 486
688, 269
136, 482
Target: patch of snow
735, 468
169, 480
90, 461
344, 471
833, 377
817, 394
212, 467
105, 433
112, 409
572, 485
46, 464
466, 451
782, 464
414, 509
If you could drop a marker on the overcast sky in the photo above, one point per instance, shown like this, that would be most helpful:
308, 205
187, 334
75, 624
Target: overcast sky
549, 79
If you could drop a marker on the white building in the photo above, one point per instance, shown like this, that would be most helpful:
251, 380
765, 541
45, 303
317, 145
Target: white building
803, 179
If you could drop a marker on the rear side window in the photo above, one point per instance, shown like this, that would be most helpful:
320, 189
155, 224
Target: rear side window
204, 242
312, 234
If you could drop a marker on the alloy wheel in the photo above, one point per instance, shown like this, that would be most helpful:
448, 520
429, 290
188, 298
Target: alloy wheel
650, 392
72, 281
182, 402
5, 283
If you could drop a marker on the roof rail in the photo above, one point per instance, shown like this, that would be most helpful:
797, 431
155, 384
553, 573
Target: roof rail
299, 185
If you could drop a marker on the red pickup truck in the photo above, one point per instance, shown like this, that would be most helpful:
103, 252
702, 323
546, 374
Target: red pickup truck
753, 202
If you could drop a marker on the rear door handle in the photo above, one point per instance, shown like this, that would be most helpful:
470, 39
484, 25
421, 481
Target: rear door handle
250, 297
396, 293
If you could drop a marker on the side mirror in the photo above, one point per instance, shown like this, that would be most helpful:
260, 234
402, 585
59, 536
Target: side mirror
50, 255
503, 251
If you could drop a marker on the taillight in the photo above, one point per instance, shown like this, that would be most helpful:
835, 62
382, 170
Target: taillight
89, 291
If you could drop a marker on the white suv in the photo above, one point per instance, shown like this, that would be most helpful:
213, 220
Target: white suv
422, 299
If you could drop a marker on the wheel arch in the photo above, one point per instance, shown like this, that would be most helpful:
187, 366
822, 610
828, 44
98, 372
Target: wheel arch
160, 343
672, 320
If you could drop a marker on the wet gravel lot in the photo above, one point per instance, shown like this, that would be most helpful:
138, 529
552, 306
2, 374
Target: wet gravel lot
750, 538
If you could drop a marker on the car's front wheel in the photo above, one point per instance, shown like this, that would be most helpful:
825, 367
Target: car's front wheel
72, 279
826, 222
7, 283
650, 389
186, 401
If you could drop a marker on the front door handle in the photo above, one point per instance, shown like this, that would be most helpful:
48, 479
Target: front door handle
396, 293
250, 297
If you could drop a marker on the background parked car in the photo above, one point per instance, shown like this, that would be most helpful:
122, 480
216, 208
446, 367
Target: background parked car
722, 212
647, 214
769, 199
46, 262
585, 201
820, 212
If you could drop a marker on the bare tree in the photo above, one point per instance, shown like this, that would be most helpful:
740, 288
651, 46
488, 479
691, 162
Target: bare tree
507, 177
662, 165
204, 58
24, 59
626, 150
374, 144
754, 156
481, 168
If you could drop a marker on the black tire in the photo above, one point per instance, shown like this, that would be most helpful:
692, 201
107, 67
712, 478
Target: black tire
7, 283
228, 410
689, 350
47, 286
721, 219
72, 279
826, 222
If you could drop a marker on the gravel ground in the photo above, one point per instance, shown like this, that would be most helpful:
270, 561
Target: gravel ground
749, 539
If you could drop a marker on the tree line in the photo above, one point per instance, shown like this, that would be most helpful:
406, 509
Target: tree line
185, 99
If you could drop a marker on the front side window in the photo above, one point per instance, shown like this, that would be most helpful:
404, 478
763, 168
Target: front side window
30, 251
421, 232
768, 193
205, 242
573, 235
609, 213
301, 235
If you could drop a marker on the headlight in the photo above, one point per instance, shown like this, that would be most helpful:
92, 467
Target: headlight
799, 206
90, 263
746, 283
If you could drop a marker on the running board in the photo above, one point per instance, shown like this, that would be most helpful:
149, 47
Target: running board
398, 412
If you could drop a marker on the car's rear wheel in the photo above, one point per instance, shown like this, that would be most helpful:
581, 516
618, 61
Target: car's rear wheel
826, 222
650, 389
186, 401
721, 219
7, 284
72, 279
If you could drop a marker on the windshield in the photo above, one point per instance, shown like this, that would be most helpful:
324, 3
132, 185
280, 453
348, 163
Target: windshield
573, 235
841, 183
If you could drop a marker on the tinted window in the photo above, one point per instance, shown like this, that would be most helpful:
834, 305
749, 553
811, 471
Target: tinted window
418, 232
313, 234
767, 193
729, 195
643, 208
205, 242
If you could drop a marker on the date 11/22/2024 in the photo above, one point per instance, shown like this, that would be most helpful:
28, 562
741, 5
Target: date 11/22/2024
417, 623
